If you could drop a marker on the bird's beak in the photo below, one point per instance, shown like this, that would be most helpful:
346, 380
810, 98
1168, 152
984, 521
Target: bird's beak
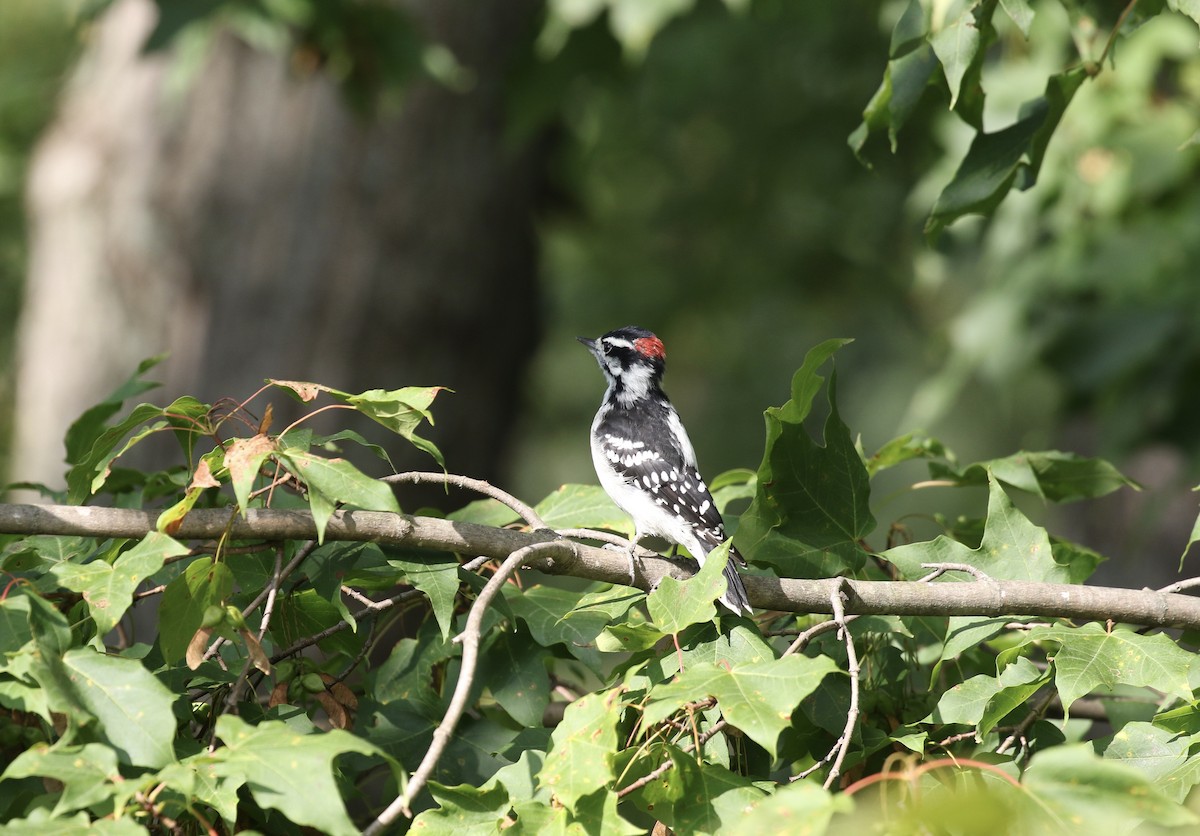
592, 345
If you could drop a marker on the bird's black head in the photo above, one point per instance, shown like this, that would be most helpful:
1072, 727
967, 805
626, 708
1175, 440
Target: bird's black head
633, 361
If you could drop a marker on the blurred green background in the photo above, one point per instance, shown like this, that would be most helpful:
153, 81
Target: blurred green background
693, 177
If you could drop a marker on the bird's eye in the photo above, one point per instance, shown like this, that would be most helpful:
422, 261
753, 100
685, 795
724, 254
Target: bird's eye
606, 346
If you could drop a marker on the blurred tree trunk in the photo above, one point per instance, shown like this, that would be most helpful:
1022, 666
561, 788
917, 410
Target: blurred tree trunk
245, 220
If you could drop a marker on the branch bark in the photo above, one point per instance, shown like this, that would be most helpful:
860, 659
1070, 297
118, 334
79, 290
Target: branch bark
996, 598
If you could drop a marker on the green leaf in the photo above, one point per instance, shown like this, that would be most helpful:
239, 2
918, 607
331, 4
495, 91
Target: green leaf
485, 512
42, 822
108, 588
795, 803
904, 83
305, 613
1021, 13
757, 697
333, 481
1193, 538
133, 708
463, 811
579, 760
964, 632
583, 506
1050, 474
1191, 8
905, 448
204, 583
1012, 156
548, 612
288, 771
699, 797
87, 428
811, 505
675, 605
956, 45
88, 773
514, 670
1090, 658
437, 576
983, 701
1013, 548
401, 411
330, 442
1159, 754
1094, 795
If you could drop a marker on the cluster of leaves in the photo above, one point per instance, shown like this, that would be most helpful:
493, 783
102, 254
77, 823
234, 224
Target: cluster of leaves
595, 708
945, 46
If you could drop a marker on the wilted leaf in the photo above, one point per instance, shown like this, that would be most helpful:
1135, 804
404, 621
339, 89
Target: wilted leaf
244, 457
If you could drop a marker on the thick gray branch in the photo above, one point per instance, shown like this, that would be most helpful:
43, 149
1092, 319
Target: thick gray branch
998, 598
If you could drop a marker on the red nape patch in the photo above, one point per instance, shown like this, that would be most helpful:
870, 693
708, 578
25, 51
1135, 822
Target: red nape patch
650, 347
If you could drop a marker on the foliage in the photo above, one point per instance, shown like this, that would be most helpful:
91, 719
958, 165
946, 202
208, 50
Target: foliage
946, 46
595, 708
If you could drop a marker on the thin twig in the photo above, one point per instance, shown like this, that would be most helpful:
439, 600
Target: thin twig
367, 612
1179, 586
299, 557
1035, 713
272, 592
603, 537
940, 569
802, 640
467, 483
664, 767
1112, 37
469, 638
843, 744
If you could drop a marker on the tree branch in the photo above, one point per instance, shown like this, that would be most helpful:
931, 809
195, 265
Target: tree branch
997, 598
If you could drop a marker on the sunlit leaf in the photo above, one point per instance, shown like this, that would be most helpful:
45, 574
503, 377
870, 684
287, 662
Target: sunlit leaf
578, 762
108, 588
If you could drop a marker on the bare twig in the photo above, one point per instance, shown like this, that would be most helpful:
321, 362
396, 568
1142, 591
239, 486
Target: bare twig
662, 768
367, 612
299, 557
469, 638
940, 569
466, 483
802, 640
1180, 586
272, 592
843, 744
603, 537
1035, 713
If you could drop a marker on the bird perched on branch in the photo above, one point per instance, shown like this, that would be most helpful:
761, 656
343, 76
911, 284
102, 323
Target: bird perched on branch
645, 459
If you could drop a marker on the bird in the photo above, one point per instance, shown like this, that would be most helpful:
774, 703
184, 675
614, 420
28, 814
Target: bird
645, 460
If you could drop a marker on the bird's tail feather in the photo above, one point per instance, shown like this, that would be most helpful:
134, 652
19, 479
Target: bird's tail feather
735, 591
